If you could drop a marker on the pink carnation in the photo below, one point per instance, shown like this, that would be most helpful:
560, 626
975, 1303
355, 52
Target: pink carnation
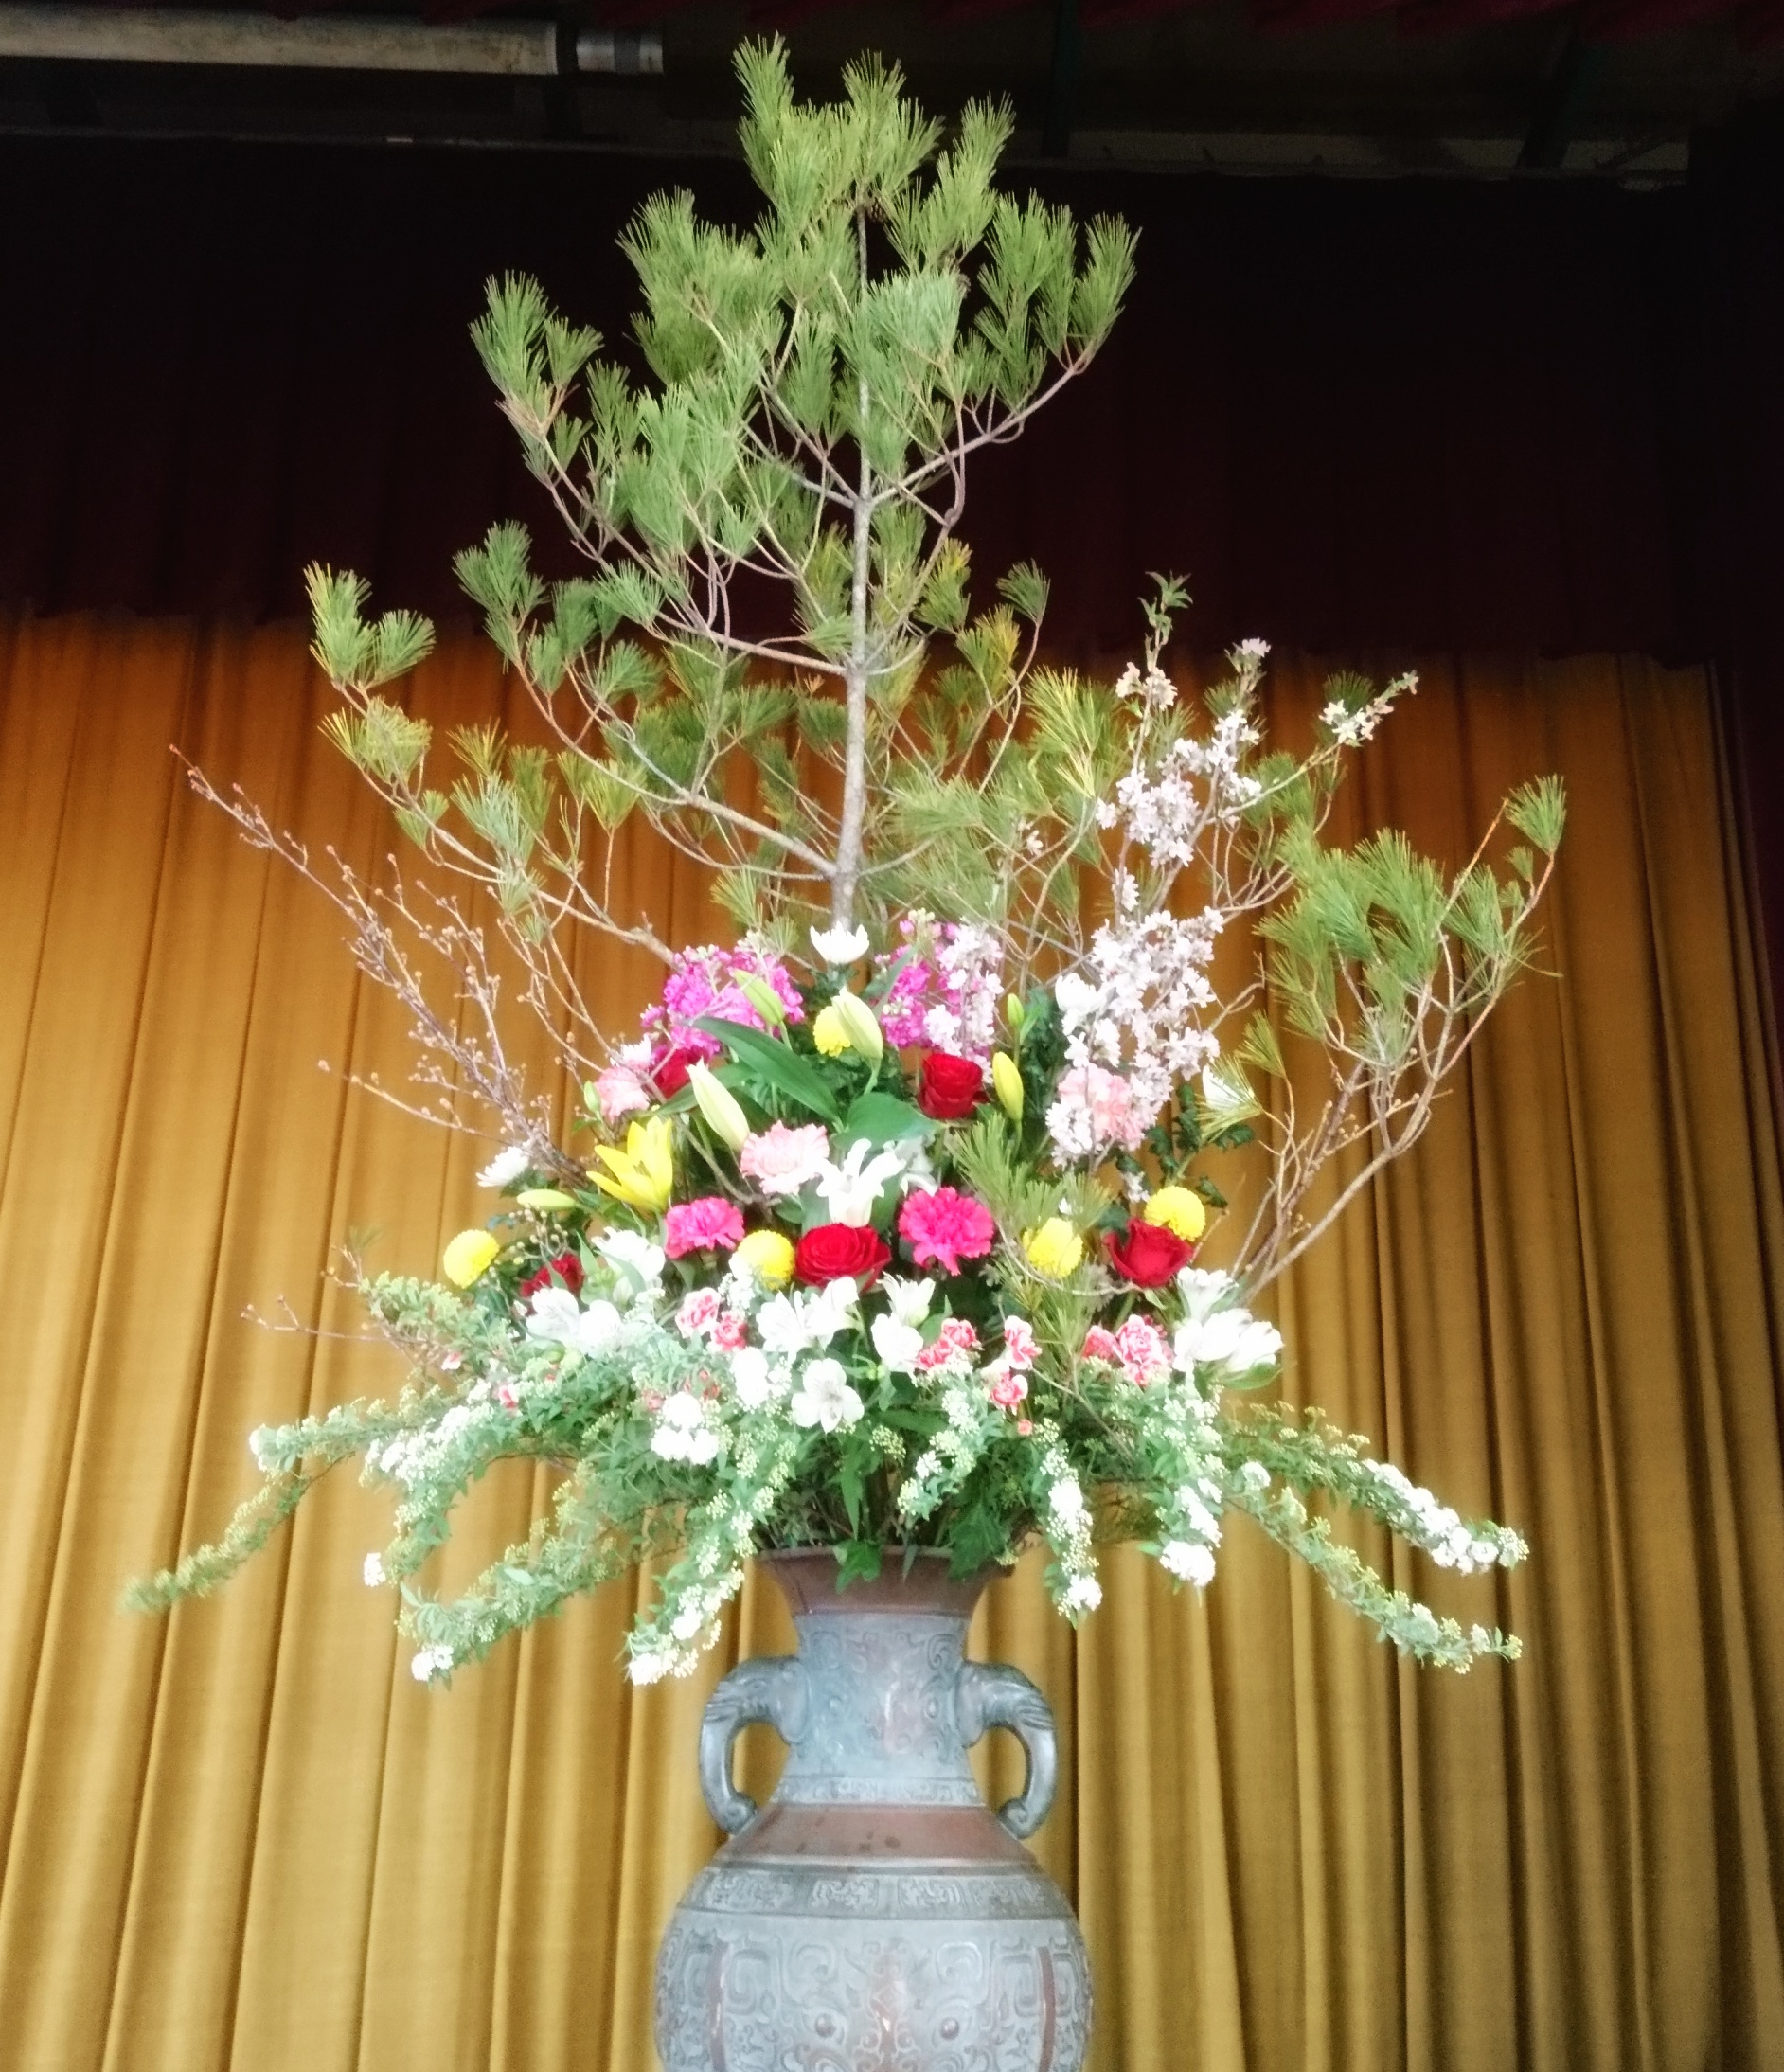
780, 1160
620, 1092
1007, 1390
1101, 1345
1142, 1349
711, 1223
944, 1227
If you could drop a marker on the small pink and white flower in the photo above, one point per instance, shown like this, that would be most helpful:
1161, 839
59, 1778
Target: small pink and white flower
953, 1350
1020, 1350
709, 1224
1007, 1390
698, 1313
1101, 1345
730, 1331
782, 1160
1143, 1350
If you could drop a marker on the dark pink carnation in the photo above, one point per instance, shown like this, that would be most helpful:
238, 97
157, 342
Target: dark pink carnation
711, 1223
944, 1227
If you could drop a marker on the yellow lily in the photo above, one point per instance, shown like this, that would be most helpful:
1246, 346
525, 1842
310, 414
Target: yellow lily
643, 1174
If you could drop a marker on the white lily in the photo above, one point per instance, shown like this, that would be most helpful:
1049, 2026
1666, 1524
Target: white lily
851, 1191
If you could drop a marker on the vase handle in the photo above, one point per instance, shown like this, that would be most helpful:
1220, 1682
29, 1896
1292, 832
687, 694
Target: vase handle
988, 1694
771, 1688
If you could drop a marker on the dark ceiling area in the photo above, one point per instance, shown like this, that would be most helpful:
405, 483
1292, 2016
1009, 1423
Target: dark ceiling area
1468, 88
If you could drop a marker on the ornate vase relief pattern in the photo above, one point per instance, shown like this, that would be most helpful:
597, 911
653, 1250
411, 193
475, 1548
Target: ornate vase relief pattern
874, 1916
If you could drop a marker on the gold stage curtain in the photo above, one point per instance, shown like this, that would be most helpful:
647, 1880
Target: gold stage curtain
245, 1838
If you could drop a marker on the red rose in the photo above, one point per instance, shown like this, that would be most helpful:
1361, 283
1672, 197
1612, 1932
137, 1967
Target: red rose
1148, 1254
567, 1269
668, 1068
949, 1087
839, 1252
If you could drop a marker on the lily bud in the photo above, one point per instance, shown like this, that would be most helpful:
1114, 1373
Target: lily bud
857, 1017
763, 998
720, 1106
1013, 1012
1007, 1084
545, 1199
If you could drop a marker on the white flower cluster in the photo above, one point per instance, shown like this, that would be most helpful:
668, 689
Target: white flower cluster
1351, 726
1139, 1014
1198, 784
1067, 1530
1449, 1540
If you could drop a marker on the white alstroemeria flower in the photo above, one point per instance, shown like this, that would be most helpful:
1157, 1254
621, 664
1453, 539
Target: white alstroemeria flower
851, 1191
754, 1381
840, 946
792, 1324
505, 1166
908, 1300
553, 1314
634, 1258
1202, 1287
915, 1169
1230, 1338
896, 1343
825, 1398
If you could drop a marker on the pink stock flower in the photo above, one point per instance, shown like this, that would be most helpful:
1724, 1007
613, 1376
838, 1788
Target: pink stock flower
1143, 1350
709, 1224
780, 1160
944, 1227
1094, 1108
703, 983
1101, 1345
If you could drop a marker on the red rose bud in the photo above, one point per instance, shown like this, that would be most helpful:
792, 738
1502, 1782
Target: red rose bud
567, 1269
839, 1252
1148, 1254
949, 1087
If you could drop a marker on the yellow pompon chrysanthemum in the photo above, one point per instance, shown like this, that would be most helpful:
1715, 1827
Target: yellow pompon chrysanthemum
643, 1174
1181, 1210
469, 1257
828, 1037
768, 1255
1055, 1249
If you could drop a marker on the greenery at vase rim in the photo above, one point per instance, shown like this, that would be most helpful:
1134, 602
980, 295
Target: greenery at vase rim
887, 1227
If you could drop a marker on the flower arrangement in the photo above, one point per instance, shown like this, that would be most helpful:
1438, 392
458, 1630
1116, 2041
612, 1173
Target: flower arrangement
933, 1210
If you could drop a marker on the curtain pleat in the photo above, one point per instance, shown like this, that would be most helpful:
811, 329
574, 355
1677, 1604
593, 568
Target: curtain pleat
244, 1838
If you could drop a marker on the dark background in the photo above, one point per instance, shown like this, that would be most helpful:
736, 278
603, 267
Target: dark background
1364, 418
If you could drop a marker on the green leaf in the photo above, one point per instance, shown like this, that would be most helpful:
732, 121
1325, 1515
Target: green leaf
782, 1068
857, 1560
883, 1119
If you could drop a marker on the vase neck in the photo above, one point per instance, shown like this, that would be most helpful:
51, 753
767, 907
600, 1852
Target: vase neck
879, 1721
